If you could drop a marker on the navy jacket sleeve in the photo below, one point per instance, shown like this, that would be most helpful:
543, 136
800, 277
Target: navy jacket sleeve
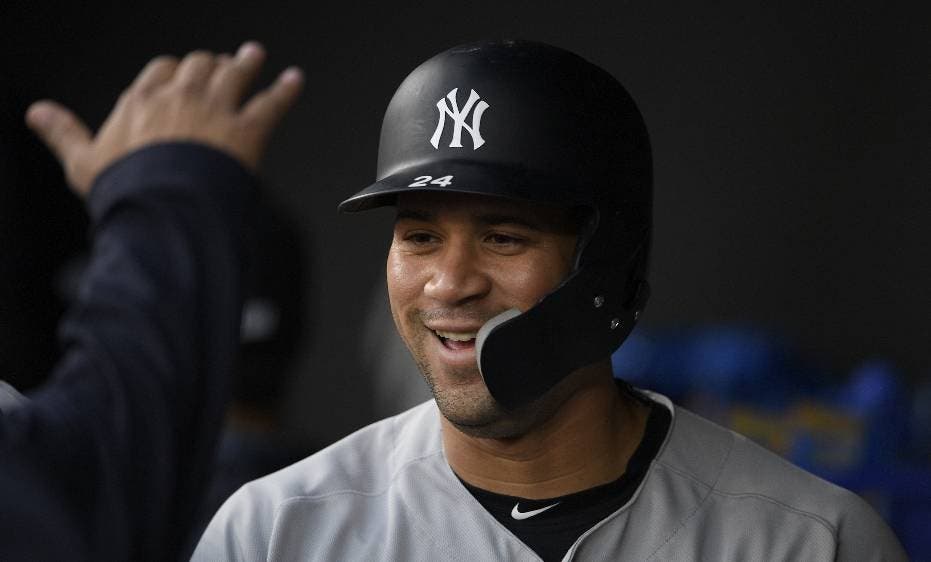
122, 436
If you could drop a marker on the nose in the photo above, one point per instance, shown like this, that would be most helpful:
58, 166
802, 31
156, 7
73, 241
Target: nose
457, 276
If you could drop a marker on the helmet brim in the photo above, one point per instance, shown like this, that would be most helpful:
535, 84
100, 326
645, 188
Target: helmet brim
510, 182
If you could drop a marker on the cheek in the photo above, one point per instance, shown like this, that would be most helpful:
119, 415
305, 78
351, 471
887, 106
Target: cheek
524, 288
403, 283
532, 280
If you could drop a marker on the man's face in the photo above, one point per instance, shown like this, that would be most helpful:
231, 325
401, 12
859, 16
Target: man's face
455, 262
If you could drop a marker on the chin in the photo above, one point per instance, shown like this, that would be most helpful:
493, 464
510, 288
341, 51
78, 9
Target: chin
486, 418
481, 416
464, 401
468, 407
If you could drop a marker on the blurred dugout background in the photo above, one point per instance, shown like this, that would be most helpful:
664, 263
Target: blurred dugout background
791, 267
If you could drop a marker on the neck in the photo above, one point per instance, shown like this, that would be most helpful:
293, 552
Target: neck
585, 443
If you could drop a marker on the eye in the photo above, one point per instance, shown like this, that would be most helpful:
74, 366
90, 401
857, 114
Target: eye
418, 240
505, 243
502, 239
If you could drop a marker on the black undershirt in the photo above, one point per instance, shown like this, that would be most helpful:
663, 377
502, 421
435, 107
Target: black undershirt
552, 532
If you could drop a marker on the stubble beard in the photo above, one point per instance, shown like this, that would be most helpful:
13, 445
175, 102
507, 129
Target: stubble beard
468, 406
474, 412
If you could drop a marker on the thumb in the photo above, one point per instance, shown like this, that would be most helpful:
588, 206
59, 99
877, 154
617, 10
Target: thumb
60, 129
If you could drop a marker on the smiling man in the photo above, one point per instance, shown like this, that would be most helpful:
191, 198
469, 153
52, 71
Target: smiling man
522, 179
456, 261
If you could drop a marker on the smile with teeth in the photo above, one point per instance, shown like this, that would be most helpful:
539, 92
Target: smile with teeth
456, 336
456, 340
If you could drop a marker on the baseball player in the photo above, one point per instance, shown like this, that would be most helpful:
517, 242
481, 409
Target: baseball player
522, 179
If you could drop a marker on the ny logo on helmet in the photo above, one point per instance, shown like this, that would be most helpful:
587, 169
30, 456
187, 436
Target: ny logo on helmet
459, 118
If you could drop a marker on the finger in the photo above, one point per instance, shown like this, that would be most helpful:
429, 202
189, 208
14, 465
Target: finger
223, 61
266, 108
194, 71
230, 82
157, 72
60, 129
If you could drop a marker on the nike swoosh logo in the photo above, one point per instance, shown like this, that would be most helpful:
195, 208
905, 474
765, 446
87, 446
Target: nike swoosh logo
516, 513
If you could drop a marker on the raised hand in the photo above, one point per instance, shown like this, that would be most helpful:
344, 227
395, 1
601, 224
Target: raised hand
199, 98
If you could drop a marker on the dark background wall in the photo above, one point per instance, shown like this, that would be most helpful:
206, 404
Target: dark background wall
791, 147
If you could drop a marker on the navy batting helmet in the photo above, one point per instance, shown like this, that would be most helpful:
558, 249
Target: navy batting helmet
528, 121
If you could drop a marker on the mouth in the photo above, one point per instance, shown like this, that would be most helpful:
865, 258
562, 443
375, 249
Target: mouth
456, 341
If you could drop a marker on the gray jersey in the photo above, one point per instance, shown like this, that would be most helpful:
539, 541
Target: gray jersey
386, 492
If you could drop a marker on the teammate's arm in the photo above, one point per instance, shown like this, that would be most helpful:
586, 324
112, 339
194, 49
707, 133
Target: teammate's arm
121, 439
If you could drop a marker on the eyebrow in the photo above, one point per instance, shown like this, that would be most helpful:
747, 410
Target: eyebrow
495, 219
485, 219
413, 214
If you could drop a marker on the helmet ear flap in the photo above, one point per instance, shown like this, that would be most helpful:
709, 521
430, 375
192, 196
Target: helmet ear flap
585, 221
641, 294
638, 289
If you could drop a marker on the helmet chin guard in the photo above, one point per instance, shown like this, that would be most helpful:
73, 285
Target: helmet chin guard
521, 356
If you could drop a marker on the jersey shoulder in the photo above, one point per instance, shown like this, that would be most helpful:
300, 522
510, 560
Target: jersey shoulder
734, 482
730, 464
348, 475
